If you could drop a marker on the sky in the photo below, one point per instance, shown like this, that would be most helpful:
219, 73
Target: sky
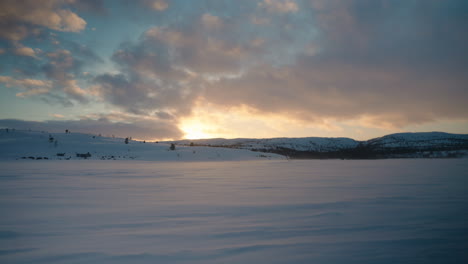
172, 69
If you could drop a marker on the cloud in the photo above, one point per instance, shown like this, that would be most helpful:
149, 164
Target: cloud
416, 34
44, 89
344, 61
61, 68
20, 18
166, 69
260, 20
31, 86
279, 6
138, 128
55, 74
72, 89
24, 51
33, 91
388, 64
162, 72
82, 51
313, 91
57, 116
158, 5
11, 31
94, 6
139, 96
211, 22
379, 63
197, 50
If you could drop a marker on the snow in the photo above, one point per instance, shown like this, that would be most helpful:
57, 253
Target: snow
16, 144
24, 144
416, 141
302, 144
314, 211
419, 140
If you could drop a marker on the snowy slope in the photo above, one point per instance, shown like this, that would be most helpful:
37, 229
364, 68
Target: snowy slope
36, 145
301, 144
401, 145
421, 140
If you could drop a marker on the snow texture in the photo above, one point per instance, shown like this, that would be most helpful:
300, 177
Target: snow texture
314, 211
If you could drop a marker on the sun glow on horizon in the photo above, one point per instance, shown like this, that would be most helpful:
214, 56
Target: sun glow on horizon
194, 130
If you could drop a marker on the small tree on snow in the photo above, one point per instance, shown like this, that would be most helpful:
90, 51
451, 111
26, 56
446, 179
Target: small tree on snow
172, 147
126, 140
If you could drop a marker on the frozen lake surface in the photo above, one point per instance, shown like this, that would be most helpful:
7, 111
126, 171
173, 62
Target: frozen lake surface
332, 211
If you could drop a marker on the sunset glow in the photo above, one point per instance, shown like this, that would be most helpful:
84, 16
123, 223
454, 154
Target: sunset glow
194, 130
245, 68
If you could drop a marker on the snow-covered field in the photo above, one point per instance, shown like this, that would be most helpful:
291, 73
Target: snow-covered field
315, 211
42, 146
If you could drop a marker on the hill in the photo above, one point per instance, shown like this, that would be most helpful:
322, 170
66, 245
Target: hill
39, 145
401, 145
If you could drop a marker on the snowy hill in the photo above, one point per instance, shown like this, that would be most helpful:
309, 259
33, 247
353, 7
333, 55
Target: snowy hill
419, 140
423, 144
401, 145
15, 144
301, 144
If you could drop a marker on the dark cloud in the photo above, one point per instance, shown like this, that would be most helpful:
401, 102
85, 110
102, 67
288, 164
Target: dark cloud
142, 129
313, 91
144, 58
164, 115
416, 34
84, 52
140, 96
149, 80
61, 68
21, 18
197, 48
393, 62
166, 69
119, 90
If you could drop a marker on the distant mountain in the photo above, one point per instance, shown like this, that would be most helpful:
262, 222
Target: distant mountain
401, 145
